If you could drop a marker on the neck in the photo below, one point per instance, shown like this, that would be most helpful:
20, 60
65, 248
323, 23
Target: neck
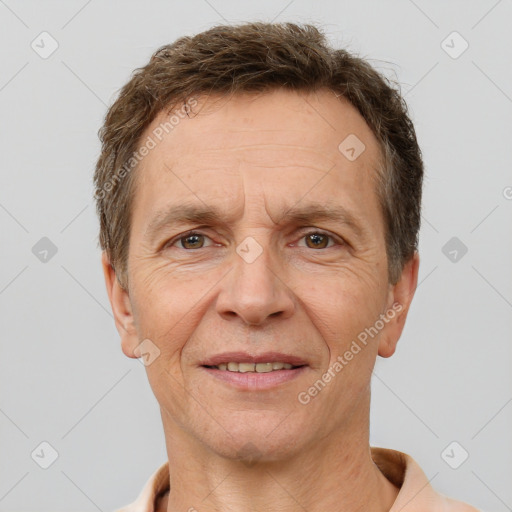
333, 473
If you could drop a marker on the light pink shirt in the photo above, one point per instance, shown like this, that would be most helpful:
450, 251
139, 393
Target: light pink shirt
416, 494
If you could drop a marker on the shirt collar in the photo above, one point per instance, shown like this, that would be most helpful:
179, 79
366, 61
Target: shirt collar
416, 494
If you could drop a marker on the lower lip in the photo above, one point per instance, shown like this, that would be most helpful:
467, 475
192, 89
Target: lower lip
250, 381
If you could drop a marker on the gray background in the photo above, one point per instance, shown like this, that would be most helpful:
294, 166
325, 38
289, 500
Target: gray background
64, 379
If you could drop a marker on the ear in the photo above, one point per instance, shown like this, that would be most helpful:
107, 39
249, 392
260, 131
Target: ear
121, 307
399, 300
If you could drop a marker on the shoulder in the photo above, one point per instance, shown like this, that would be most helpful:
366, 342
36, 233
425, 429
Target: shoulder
416, 494
459, 506
156, 486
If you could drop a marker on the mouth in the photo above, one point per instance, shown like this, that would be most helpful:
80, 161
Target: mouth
254, 372
234, 366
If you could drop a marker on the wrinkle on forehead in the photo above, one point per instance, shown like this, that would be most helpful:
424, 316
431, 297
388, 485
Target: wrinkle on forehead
270, 156
275, 129
246, 157
286, 116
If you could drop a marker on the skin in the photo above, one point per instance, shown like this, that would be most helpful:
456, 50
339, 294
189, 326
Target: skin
253, 156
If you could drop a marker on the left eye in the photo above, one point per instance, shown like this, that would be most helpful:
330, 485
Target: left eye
192, 241
316, 240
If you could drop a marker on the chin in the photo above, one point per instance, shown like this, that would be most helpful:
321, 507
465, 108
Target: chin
252, 442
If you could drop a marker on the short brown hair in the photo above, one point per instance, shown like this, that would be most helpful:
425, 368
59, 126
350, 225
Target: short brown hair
259, 57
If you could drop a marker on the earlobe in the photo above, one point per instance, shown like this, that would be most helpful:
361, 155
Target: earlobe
121, 308
399, 301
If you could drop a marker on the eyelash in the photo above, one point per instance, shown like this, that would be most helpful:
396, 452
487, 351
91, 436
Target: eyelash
183, 236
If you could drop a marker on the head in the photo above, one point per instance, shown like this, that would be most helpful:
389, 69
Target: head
258, 192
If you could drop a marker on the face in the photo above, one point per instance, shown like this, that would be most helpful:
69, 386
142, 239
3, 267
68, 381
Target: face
255, 239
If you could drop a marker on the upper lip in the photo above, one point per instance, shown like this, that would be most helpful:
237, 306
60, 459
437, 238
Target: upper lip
245, 357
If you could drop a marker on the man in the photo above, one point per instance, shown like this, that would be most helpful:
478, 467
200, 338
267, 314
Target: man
259, 198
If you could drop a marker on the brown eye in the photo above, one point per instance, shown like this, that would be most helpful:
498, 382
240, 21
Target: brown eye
317, 240
193, 241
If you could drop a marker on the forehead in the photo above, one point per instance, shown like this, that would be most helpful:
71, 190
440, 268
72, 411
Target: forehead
263, 145
315, 123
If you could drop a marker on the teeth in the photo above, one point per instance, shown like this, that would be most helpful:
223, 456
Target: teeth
246, 367
253, 367
264, 367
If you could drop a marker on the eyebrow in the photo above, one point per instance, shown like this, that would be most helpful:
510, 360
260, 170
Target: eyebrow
202, 214
314, 212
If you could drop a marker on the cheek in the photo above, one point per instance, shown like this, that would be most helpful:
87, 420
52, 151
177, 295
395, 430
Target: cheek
164, 308
342, 305
169, 305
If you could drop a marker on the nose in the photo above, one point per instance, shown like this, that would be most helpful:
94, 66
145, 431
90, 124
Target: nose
255, 291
